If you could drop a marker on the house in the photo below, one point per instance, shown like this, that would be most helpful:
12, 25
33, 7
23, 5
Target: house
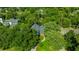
39, 29
36, 27
10, 22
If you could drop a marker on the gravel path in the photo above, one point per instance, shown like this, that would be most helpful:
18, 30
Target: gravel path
65, 30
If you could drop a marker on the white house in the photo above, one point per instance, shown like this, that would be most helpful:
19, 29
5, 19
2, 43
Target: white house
10, 22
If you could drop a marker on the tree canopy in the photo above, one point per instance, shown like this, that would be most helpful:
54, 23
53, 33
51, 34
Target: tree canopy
22, 37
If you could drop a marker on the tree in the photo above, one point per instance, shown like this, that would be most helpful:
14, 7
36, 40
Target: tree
66, 22
53, 26
71, 41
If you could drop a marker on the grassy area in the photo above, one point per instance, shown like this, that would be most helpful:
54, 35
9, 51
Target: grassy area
54, 43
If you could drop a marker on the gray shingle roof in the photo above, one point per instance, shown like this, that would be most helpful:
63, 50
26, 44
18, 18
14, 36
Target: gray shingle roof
11, 22
39, 29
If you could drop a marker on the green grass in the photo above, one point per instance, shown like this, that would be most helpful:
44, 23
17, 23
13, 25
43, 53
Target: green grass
53, 42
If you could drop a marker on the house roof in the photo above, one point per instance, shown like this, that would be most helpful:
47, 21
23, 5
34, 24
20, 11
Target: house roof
11, 22
38, 28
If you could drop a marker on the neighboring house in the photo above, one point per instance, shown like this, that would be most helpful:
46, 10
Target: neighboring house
39, 29
10, 22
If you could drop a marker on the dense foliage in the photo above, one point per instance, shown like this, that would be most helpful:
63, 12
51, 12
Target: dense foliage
22, 37
17, 38
72, 41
